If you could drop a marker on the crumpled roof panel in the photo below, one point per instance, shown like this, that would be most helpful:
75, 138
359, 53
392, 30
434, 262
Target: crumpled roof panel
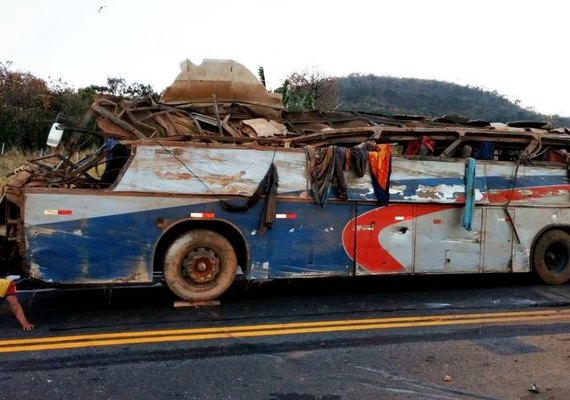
228, 80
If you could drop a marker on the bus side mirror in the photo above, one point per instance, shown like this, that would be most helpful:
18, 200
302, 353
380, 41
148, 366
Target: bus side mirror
55, 134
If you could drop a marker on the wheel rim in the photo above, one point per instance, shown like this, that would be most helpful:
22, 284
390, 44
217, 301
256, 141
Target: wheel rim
200, 265
556, 257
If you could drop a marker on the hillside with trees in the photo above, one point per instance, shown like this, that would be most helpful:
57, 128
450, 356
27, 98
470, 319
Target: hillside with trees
389, 95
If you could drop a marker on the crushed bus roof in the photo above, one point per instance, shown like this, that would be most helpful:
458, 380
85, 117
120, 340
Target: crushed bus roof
221, 103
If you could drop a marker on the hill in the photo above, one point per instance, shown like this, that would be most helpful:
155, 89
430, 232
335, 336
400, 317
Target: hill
389, 95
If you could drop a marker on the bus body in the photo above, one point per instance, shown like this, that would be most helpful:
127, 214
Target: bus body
166, 214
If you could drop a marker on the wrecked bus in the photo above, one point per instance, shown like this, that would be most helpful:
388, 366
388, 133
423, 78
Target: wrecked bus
199, 189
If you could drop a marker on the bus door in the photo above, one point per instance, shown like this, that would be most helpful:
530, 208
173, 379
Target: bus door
381, 239
442, 243
306, 240
498, 239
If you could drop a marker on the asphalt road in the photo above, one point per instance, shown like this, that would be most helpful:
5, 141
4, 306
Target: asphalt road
460, 337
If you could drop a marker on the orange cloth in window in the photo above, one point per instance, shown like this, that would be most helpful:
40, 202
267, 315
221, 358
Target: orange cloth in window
380, 164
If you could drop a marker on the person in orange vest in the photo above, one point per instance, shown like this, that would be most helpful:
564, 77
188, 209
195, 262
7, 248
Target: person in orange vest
8, 292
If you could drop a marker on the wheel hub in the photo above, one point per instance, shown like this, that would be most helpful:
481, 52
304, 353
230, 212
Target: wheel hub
556, 257
201, 265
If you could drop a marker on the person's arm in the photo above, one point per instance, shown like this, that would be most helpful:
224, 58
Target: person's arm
19, 313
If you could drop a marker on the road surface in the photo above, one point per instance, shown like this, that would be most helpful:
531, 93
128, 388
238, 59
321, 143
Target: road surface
461, 337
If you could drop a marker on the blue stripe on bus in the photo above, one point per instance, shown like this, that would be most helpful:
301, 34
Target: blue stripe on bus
483, 184
120, 247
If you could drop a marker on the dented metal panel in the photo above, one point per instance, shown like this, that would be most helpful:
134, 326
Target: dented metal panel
443, 245
97, 239
92, 205
209, 171
422, 181
200, 170
526, 186
529, 222
420, 230
382, 239
311, 243
498, 239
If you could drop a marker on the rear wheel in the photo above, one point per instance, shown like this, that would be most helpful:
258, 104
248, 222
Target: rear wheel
551, 257
200, 265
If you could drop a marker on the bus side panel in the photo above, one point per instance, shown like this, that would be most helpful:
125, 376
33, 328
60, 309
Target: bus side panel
205, 171
498, 239
381, 238
78, 237
422, 181
443, 244
91, 250
306, 240
86, 238
533, 185
529, 223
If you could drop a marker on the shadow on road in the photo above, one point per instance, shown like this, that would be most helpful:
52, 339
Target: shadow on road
111, 307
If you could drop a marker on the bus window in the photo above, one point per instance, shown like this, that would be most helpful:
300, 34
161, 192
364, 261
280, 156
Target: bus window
117, 155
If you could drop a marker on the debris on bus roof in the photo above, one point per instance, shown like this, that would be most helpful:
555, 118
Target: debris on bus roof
144, 118
220, 102
529, 124
228, 80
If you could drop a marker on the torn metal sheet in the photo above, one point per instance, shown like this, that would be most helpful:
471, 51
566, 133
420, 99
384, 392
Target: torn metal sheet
229, 80
204, 170
260, 127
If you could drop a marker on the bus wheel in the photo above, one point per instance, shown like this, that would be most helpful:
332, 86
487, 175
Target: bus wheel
200, 265
551, 257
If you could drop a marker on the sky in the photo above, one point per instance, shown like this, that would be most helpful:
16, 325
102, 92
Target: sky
517, 48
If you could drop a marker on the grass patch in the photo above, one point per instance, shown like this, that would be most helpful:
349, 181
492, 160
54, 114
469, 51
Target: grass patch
11, 160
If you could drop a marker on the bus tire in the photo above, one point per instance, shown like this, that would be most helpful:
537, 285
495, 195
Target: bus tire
551, 257
200, 265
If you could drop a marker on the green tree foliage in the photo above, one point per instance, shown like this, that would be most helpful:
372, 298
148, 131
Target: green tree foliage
309, 90
26, 105
70, 104
29, 105
120, 87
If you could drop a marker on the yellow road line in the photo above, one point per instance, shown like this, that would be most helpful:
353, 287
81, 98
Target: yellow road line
193, 334
284, 326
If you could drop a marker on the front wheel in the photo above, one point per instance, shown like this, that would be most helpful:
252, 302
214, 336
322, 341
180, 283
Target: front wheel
200, 265
551, 257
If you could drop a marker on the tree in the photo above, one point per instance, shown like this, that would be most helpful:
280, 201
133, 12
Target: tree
119, 87
25, 108
70, 104
29, 105
309, 90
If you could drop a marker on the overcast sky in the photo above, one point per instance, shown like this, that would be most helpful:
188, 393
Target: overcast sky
518, 48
